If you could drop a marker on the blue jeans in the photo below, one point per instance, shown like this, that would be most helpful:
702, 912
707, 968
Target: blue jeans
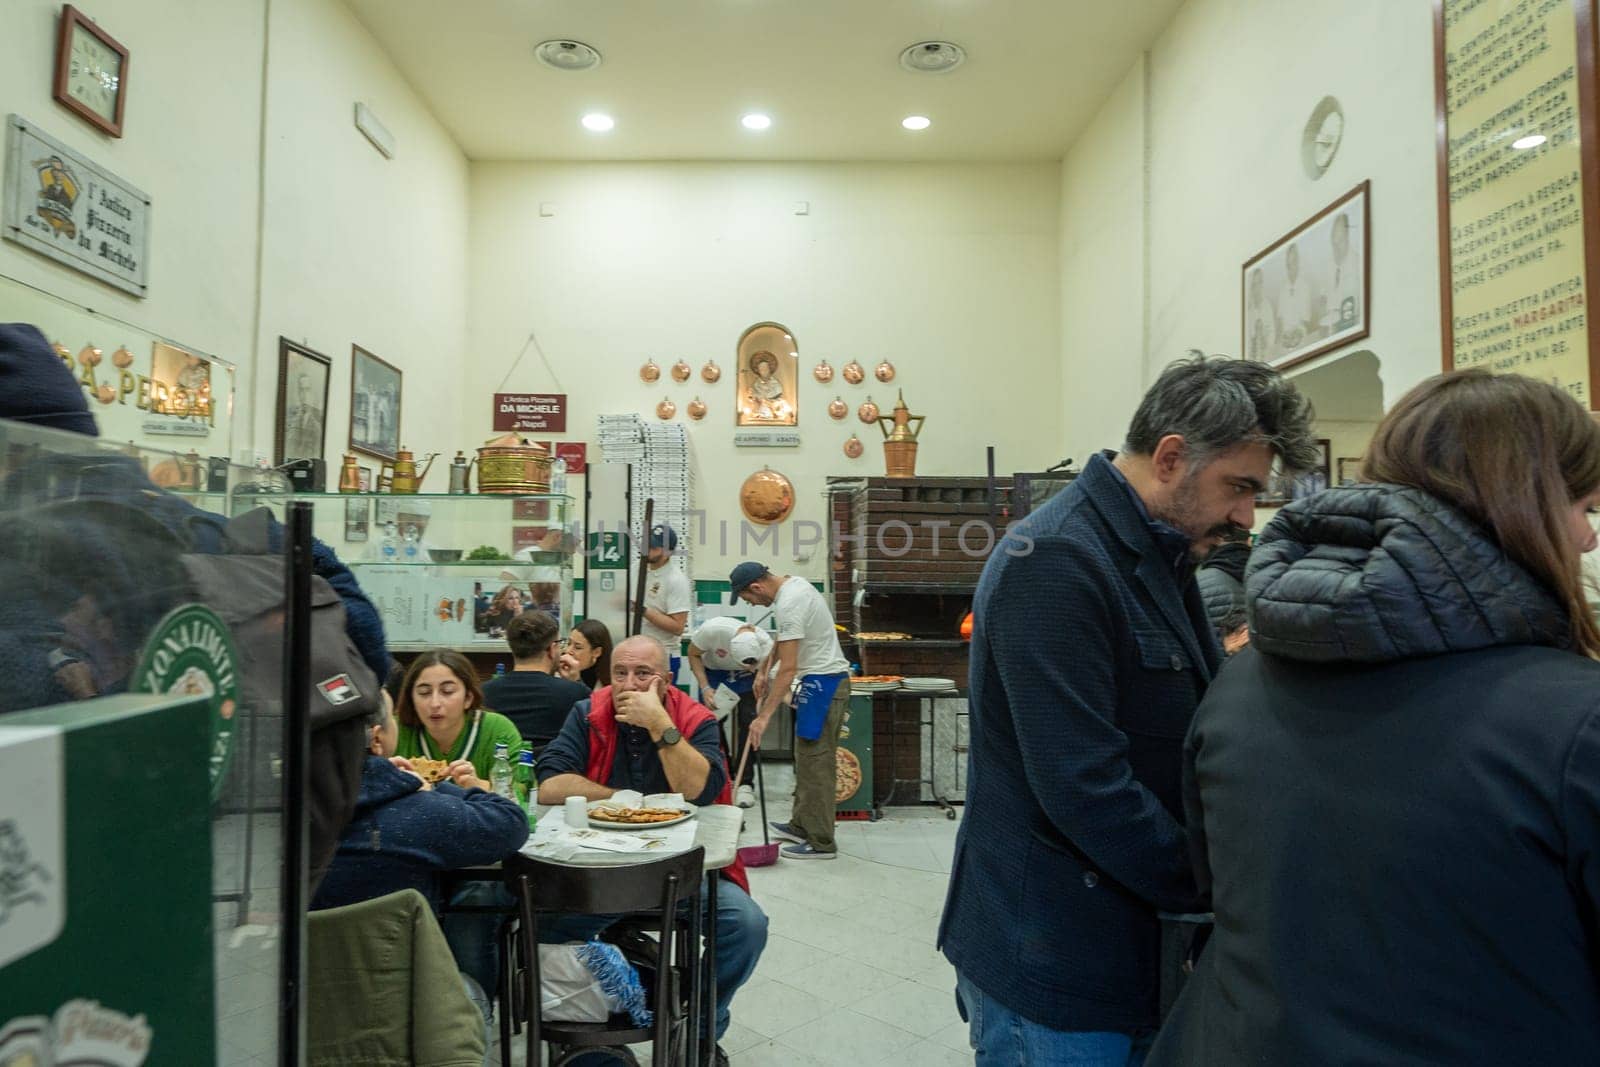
741, 935
1001, 1038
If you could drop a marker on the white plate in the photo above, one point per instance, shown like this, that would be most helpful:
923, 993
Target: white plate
930, 684
601, 824
873, 687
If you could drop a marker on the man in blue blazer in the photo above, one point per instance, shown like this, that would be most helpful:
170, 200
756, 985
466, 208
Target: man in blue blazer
1090, 652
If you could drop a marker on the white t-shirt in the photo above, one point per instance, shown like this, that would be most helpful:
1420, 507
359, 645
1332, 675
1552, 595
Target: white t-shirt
667, 590
804, 616
715, 637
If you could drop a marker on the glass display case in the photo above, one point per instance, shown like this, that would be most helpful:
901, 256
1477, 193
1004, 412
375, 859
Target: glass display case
448, 571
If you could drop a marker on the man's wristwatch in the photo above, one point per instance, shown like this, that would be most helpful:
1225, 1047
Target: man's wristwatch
669, 737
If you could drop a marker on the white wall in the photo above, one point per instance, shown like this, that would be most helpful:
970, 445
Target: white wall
190, 140
1102, 272
950, 272
360, 249
1231, 84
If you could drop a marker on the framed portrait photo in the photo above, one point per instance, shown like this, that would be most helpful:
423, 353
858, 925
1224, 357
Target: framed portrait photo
1315, 480
303, 378
1310, 291
374, 405
1349, 469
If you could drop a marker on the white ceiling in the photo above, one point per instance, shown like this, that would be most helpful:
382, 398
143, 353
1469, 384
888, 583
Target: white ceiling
677, 74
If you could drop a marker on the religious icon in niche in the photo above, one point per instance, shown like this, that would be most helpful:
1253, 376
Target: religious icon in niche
769, 376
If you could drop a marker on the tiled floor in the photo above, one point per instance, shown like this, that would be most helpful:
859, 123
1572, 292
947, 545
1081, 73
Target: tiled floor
850, 976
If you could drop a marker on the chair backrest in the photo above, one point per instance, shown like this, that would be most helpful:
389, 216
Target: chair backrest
608, 890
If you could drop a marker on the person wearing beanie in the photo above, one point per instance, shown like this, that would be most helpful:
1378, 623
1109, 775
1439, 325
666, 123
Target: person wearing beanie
36, 387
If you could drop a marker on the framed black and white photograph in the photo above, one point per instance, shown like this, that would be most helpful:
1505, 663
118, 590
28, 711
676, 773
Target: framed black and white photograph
303, 379
1310, 291
357, 519
1317, 478
374, 405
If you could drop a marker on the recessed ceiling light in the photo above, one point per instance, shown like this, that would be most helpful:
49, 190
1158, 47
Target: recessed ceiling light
932, 57
597, 122
916, 122
1533, 140
756, 121
567, 55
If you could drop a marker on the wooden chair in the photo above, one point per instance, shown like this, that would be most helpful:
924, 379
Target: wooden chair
658, 890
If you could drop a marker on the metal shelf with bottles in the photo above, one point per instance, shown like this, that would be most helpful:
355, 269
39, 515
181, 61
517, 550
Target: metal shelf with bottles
450, 570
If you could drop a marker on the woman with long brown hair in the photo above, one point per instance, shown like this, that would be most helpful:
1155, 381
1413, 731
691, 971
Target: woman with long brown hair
1393, 795
442, 717
587, 658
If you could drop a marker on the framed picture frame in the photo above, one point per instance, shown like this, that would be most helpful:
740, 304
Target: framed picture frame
1315, 480
1310, 291
1349, 469
375, 392
302, 412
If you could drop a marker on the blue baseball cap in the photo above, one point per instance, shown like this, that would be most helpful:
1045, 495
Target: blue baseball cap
742, 576
663, 536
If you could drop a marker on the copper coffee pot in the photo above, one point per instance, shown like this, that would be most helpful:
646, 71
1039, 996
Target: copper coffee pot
349, 475
406, 477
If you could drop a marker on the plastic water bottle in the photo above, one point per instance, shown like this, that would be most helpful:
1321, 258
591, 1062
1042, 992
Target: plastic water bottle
500, 672
500, 772
528, 788
390, 532
558, 478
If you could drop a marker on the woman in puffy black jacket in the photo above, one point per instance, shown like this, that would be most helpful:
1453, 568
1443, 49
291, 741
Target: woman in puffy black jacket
1394, 795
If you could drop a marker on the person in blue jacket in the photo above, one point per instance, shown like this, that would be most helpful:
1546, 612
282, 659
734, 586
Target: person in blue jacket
1090, 651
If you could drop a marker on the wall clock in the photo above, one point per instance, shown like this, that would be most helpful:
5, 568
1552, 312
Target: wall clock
91, 71
1320, 140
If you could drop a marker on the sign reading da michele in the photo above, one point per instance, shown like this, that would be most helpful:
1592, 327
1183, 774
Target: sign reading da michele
66, 207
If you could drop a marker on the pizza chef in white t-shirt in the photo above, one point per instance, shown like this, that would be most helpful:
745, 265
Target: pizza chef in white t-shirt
730, 659
808, 658
667, 597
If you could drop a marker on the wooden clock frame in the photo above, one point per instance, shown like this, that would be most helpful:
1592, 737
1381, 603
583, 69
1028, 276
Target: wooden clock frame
71, 19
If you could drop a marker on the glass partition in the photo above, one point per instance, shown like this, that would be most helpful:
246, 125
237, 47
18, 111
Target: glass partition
103, 598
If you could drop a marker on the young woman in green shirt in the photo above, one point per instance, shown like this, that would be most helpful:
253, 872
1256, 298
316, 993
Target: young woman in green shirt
442, 716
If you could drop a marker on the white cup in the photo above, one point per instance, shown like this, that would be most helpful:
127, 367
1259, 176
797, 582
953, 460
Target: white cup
575, 812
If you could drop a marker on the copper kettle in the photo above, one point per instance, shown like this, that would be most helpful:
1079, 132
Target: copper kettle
406, 477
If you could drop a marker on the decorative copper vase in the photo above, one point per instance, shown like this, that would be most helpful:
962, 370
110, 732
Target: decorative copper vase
681, 371
900, 443
838, 409
823, 372
697, 409
710, 373
650, 373
884, 372
853, 373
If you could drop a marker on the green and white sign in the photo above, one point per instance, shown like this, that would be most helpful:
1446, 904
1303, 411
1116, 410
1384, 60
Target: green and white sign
190, 653
607, 551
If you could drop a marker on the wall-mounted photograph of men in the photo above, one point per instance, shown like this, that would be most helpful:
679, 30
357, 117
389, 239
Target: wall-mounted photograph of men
374, 405
303, 377
1308, 293
769, 377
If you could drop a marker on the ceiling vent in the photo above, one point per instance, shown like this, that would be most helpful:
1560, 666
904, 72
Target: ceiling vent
933, 57
567, 55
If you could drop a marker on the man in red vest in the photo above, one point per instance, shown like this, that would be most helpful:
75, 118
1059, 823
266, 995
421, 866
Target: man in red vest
640, 733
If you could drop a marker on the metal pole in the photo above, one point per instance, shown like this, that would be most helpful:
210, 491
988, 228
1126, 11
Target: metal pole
296, 760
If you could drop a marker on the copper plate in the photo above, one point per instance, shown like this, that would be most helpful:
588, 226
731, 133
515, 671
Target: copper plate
122, 359
885, 371
853, 447
89, 356
681, 371
710, 373
650, 372
853, 373
666, 409
838, 409
823, 372
868, 412
697, 409
766, 497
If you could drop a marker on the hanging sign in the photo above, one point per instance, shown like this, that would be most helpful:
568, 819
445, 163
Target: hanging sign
531, 412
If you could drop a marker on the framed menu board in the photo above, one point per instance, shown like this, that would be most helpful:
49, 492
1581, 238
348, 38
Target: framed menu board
1517, 147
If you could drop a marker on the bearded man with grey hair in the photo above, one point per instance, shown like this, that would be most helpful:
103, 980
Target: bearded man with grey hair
1090, 652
